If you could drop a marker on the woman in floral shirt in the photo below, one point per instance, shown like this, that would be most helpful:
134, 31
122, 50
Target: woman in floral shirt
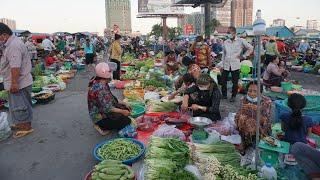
106, 112
246, 117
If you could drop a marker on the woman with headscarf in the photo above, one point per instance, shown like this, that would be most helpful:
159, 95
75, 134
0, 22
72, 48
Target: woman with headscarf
203, 99
106, 112
246, 116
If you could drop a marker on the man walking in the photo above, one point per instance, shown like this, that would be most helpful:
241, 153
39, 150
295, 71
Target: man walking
16, 72
233, 49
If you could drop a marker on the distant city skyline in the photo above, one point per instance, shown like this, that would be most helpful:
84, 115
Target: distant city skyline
82, 15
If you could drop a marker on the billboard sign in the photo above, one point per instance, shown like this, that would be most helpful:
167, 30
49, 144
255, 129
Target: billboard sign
158, 7
188, 29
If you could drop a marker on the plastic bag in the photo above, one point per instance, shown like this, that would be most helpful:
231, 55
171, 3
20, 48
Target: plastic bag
128, 132
5, 130
225, 127
213, 137
233, 139
166, 131
194, 170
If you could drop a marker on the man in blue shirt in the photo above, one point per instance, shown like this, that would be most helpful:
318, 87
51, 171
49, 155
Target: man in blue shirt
89, 51
303, 47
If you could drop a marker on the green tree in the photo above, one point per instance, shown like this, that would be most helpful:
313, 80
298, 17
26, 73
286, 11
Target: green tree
174, 32
156, 30
214, 23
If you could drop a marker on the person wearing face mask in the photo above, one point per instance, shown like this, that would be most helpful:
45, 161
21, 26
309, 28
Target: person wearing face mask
245, 118
203, 99
106, 112
202, 53
232, 55
16, 72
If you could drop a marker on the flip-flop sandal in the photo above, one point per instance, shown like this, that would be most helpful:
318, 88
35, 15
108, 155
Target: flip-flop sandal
20, 134
103, 133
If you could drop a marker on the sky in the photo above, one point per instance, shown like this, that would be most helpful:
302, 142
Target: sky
84, 15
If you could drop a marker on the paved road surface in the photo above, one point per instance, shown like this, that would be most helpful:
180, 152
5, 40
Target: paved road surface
61, 146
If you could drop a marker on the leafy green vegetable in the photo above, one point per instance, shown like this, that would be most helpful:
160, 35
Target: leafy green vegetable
166, 158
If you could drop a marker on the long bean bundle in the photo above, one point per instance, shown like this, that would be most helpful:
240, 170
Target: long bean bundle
119, 149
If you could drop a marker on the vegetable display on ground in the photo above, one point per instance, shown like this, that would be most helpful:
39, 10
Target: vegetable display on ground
119, 149
166, 158
112, 170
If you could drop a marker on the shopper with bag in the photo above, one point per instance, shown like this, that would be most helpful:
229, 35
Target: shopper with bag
16, 72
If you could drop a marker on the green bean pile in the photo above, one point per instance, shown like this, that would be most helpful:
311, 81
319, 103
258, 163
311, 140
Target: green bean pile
119, 149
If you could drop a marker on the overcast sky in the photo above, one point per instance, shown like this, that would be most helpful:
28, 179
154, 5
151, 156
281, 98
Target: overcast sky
84, 15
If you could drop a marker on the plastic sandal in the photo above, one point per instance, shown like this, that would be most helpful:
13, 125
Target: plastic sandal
20, 134
103, 133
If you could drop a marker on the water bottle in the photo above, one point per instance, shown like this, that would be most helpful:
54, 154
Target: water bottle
268, 172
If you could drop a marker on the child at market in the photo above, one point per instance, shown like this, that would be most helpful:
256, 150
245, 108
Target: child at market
188, 82
296, 127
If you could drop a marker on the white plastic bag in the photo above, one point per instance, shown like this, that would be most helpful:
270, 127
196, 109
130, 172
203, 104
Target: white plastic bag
166, 131
194, 170
5, 130
213, 137
233, 139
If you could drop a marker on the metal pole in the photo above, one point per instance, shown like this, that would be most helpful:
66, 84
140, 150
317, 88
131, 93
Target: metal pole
207, 30
258, 58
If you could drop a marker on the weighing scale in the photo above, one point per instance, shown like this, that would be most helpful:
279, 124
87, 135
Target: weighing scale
199, 134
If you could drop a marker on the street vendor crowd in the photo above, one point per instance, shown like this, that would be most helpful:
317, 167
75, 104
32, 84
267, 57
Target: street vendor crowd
180, 83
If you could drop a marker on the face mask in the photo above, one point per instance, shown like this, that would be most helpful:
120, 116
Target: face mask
199, 43
203, 88
170, 63
252, 100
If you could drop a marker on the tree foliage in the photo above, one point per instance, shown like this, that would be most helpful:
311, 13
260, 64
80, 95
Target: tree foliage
172, 32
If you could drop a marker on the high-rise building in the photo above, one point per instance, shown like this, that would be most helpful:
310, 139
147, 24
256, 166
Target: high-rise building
118, 14
241, 12
312, 24
222, 14
9, 22
278, 22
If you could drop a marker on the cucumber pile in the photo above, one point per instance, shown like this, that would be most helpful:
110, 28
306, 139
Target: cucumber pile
112, 170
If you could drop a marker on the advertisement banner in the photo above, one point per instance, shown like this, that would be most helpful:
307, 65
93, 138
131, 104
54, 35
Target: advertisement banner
158, 7
188, 29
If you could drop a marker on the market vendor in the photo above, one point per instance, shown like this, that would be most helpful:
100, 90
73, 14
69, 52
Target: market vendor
245, 118
106, 112
193, 69
203, 99
188, 82
50, 59
273, 75
296, 127
171, 64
